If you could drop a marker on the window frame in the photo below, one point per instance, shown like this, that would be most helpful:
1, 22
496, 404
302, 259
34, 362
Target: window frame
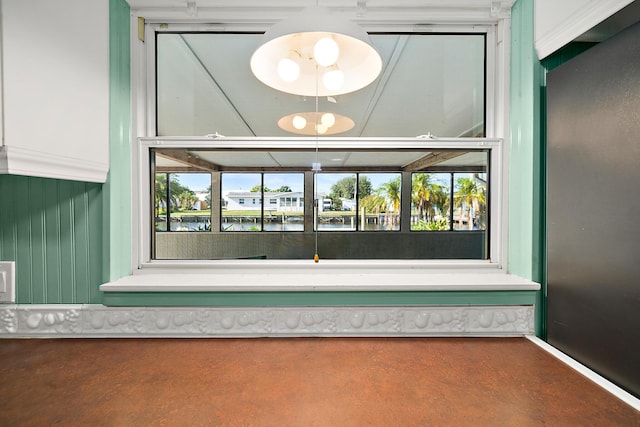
144, 137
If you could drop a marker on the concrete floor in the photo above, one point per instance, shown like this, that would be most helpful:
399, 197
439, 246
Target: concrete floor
297, 382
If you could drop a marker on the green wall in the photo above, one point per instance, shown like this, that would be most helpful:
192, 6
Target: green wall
117, 189
526, 257
525, 148
52, 229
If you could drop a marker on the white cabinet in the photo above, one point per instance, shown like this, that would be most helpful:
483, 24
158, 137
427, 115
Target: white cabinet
55, 89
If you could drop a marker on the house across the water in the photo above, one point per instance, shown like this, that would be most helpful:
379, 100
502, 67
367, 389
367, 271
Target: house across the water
273, 201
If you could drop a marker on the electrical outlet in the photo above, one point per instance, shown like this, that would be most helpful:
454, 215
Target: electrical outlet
7, 281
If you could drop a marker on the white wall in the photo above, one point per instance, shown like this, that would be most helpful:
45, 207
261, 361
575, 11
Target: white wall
560, 22
55, 81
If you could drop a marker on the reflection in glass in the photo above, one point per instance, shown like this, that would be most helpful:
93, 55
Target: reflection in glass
435, 85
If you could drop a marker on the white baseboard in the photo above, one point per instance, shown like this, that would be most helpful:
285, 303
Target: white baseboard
596, 378
94, 320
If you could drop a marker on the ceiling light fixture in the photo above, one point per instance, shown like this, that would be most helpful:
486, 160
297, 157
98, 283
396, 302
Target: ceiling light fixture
319, 44
316, 123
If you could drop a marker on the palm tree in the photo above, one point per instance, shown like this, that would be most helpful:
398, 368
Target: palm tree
428, 196
391, 192
161, 194
375, 202
186, 200
470, 195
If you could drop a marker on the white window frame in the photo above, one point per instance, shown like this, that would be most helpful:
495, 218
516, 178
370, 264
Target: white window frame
144, 127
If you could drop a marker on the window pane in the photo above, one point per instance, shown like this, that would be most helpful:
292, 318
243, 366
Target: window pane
240, 209
284, 202
385, 203
336, 193
160, 203
190, 197
470, 202
431, 201
379, 201
204, 86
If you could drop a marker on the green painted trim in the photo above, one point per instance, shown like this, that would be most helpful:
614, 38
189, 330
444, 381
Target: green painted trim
527, 183
275, 299
524, 128
566, 53
117, 190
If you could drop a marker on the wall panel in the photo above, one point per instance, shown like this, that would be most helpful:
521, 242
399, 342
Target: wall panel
52, 229
593, 122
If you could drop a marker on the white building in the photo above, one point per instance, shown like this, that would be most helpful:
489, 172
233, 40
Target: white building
273, 201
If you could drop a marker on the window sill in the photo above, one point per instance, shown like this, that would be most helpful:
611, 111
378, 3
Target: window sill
327, 276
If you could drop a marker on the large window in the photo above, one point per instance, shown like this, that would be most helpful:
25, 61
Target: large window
413, 179
418, 204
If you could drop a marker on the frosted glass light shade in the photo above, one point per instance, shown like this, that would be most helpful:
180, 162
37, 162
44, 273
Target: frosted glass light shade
328, 119
288, 70
319, 123
297, 36
326, 51
333, 80
299, 122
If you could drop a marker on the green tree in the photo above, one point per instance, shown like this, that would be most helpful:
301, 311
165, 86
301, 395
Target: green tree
375, 202
258, 189
208, 197
179, 195
175, 188
186, 199
471, 196
284, 189
345, 188
386, 198
391, 192
428, 196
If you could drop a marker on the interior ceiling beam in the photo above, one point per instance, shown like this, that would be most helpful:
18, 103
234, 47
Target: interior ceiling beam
176, 169
300, 169
188, 159
431, 159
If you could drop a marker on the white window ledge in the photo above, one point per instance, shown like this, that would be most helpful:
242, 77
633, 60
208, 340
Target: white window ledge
325, 276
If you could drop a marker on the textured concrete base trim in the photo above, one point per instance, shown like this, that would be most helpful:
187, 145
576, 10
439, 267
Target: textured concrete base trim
51, 321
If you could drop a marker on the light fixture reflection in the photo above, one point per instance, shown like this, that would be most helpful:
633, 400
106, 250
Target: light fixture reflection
288, 70
299, 122
333, 80
316, 123
328, 119
322, 44
326, 52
